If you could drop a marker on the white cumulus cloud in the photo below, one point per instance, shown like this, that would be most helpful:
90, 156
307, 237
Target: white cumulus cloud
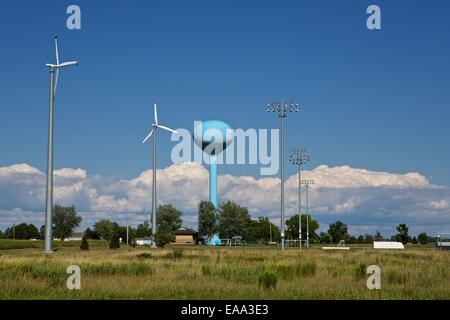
358, 196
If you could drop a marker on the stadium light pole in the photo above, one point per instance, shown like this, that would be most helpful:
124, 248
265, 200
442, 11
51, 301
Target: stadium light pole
299, 157
307, 183
283, 108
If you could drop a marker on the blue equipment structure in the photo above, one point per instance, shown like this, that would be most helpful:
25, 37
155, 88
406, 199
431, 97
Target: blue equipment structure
213, 137
213, 241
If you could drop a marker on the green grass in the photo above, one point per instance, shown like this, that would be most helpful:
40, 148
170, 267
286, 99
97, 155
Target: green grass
419, 272
6, 244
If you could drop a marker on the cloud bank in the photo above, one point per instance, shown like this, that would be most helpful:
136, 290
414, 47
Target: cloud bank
364, 199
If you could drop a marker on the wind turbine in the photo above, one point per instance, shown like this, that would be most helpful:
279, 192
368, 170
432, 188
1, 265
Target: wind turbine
54, 68
155, 126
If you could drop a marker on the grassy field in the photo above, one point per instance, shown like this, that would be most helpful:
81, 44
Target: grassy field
6, 244
224, 273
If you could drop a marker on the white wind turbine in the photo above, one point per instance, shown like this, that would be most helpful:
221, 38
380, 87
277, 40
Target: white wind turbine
49, 196
155, 126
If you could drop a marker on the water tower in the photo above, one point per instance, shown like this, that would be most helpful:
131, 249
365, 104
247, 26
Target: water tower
213, 137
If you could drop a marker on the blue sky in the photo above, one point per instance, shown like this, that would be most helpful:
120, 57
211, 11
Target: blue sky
377, 100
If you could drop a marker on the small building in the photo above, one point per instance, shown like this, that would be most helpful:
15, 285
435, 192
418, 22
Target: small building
76, 236
390, 245
146, 241
184, 236
443, 241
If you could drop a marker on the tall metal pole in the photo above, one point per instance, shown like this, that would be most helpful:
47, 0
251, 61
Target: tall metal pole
307, 216
282, 108
300, 206
153, 217
307, 183
282, 116
49, 195
128, 232
299, 157
270, 224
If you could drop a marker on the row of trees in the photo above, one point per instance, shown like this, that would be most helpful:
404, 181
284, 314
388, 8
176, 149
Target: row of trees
229, 220
338, 231
232, 220
168, 221
65, 220
404, 237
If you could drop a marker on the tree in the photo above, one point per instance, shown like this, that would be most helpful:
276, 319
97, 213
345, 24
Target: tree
402, 235
163, 238
360, 239
22, 231
414, 240
168, 218
351, 239
143, 230
132, 241
207, 219
368, 238
325, 238
122, 233
234, 220
115, 243
42, 232
338, 231
262, 230
84, 243
91, 234
378, 236
423, 238
292, 227
105, 229
65, 220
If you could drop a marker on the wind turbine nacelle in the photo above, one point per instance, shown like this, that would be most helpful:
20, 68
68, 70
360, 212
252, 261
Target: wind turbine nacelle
213, 136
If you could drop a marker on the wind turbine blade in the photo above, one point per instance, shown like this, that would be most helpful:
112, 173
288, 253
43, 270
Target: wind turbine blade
69, 63
149, 135
56, 49
166, 128
155, 114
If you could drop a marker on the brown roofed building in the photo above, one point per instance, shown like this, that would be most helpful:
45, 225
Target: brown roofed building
184, 236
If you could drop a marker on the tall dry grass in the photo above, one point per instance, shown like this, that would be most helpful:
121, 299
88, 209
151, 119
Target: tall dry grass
224, 273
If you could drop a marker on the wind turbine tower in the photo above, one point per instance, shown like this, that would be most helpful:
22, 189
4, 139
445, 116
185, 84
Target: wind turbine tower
155, 126
54, 73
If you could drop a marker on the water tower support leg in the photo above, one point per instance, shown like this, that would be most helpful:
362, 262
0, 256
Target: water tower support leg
213, 180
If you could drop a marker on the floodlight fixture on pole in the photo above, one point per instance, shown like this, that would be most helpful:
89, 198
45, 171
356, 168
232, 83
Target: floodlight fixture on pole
54, 74
155, 127
282, 108
307, 183
299, 157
